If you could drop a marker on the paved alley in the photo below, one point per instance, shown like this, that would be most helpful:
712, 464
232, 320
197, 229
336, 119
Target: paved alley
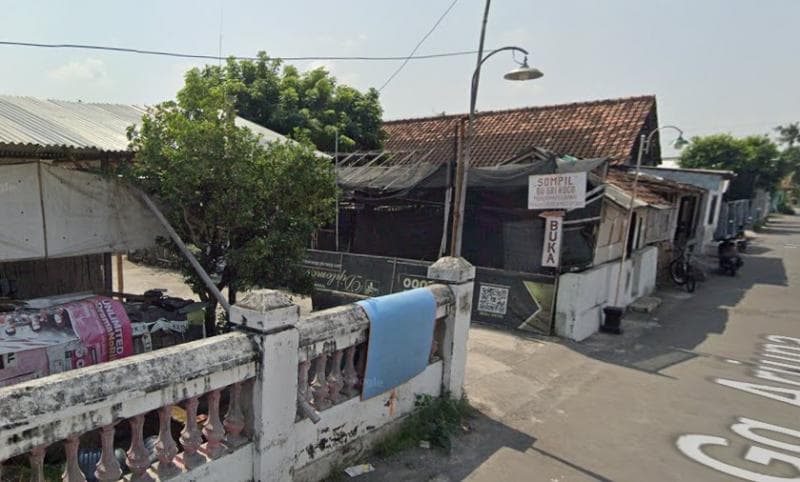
615, 408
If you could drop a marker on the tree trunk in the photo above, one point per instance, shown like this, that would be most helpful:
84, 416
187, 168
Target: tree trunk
232, 294
211, 317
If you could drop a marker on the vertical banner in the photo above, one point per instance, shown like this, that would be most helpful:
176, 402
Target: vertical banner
551, 250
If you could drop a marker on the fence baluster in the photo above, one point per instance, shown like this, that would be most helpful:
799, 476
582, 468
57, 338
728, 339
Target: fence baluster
107, 469
434, 351
234, 418
213, 429
361, 367
319, 386
335, 383
36, 458
350, 374
72, 471
302, 385
138, 458
166, 449
191, 438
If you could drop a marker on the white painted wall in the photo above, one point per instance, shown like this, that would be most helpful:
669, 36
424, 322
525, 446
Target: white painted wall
582, 296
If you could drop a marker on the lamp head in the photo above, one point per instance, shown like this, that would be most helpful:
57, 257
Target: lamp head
523, 72
680, 142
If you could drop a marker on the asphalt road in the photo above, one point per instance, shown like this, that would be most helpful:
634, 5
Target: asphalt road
707, 388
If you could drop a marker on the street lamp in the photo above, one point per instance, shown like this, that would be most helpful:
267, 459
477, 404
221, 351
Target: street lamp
523, 72
614, 313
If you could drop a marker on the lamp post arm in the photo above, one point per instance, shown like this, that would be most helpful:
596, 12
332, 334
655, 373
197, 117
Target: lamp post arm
658, 129
476, 75
644, 147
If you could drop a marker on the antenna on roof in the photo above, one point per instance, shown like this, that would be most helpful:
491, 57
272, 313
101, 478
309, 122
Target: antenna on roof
219, 51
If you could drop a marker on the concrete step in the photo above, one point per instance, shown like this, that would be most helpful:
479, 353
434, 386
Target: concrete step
645, 304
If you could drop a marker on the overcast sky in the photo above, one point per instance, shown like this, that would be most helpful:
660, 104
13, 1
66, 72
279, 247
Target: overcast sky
715, 65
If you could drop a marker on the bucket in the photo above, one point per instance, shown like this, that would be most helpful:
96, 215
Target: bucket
613, 320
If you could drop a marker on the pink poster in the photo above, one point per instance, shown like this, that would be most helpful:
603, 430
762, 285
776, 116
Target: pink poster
103, 326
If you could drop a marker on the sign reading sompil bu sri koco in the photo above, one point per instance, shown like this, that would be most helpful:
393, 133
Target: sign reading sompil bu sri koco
557, 191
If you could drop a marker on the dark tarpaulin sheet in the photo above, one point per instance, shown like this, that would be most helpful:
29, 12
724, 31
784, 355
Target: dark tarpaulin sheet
394, 181
508, 298
413, 232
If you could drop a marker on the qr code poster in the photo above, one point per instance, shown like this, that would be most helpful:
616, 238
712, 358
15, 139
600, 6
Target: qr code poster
493, 299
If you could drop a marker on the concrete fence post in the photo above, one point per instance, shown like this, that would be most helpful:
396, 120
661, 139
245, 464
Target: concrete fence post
271, 316
459, 275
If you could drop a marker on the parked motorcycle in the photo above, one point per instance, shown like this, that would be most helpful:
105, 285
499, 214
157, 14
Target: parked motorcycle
683, 272
729, 259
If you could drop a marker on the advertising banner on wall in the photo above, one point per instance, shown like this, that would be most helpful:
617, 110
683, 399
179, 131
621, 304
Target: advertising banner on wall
557, 191
510, 299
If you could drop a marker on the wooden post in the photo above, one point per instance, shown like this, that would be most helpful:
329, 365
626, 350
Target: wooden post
108, 273
120, 276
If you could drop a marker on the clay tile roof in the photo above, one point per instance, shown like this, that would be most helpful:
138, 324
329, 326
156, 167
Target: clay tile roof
604, 128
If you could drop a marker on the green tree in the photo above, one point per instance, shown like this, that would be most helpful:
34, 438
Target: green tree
789, 134
751, 154
247, 209
308, 105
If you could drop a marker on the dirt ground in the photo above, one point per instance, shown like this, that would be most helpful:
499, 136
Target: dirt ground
138, 278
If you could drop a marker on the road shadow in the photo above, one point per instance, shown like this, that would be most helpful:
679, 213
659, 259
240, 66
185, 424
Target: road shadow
779, 229
669, 336
480, 451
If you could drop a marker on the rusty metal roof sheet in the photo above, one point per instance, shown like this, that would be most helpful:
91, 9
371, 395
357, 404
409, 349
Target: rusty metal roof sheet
653, 190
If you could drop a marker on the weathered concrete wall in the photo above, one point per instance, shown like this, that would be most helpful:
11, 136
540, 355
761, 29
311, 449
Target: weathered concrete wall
344, 423
582, 296
273, 426
50, 409
347, 427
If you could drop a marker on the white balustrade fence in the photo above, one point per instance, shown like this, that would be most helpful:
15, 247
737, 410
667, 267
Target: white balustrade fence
288, 386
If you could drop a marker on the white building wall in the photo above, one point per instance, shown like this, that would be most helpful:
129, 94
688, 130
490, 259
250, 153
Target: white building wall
582, 296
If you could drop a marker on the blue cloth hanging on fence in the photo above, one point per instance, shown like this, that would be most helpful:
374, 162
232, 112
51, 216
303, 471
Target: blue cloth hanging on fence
400, 338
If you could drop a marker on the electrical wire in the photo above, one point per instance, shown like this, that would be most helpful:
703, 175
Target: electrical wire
419, 44
106, 48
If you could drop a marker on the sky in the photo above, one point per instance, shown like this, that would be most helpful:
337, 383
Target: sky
714, 65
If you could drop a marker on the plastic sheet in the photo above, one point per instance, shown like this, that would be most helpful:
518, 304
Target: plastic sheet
48, 211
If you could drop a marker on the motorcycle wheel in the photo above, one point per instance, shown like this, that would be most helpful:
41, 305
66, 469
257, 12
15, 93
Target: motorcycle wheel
691, 285
677, 271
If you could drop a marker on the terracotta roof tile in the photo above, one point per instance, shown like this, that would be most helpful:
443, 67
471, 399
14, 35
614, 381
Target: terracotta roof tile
604, 128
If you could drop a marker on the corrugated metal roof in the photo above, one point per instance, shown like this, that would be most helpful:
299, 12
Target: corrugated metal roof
27, 122
31, 122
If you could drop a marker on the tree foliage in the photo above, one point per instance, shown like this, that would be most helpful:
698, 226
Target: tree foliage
246, 208
789, 134
308, 105
751, 154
